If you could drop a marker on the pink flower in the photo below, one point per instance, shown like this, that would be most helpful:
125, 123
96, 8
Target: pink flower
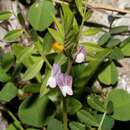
65, 84
54, 74
80, 55
63, 81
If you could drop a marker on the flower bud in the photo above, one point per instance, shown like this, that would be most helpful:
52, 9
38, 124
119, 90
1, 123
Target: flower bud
80, 55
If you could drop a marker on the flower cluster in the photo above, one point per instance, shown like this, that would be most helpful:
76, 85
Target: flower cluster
63, 81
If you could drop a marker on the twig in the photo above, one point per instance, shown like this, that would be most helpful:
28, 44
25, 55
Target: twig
61, 2
106, 7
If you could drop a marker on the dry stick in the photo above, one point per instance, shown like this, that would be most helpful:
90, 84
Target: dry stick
106, 7
61, 2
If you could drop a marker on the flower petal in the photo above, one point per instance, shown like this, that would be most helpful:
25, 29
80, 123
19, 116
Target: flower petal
51, 82
80, 58
80, 55
69, 90
61, 80
64, 90
68, 80
83, 50
56, 70
65, 84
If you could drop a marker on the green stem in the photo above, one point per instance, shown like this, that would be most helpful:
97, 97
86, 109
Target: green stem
69, 67
47, 62
102, 120
15, 120
65, 116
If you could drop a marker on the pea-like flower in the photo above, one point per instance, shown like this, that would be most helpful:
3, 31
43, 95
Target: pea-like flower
52, 81
80, 55
63, 81
65, 84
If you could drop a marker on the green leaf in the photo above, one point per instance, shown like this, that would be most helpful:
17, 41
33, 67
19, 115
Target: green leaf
108, 122
86, 71
116, 54
95, 103
32, 88
59, 25
12, 127
124, 42
121, 104
44, 10
16, 125
54, 124
126, 49
76, 126
104, 38
73, 105
24, 53
109, 75
17, 49
92, 48
119, 29
3, 75
36, 107
53, 95
33, 70
7, 60
56, 35
88, 15
60, 59
109, 107
87, 118
38, 46
80, 6
67, 17
27, 61
44, 88
13, 35
113, 43
91, 31
21, 19
30, 61
47, 43
8, 92
4, 15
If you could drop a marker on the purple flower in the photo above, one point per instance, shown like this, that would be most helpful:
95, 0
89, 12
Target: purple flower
63, 81
65, 84
80, 55
52, 81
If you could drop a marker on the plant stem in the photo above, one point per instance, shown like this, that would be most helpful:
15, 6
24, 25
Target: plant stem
69, 67
65, 116
61, 2
47, 62
15, 120
102, 120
